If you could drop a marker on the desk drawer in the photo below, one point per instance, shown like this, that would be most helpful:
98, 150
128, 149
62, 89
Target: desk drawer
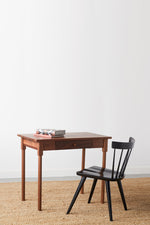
74, 144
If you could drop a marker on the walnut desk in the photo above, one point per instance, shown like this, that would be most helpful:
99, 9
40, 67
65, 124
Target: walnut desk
81, 140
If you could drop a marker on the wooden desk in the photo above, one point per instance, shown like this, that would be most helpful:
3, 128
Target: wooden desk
80, 140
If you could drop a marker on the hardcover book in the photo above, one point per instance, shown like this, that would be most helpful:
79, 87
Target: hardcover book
51, 132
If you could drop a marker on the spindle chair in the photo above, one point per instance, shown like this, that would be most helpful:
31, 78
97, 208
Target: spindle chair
121, 154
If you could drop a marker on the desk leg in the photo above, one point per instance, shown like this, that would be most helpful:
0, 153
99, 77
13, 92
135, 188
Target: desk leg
103, 166
82, 167
40, 153
23, 171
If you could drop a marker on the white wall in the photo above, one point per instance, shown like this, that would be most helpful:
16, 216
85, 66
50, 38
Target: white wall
76, 65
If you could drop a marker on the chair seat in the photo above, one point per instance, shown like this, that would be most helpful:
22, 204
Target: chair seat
99, 173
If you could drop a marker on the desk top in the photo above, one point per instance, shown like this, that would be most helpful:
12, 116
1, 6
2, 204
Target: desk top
68, 136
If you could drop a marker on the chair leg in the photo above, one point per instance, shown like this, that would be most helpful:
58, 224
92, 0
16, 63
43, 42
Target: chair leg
92, 190
76, 193
109, 199
122, 194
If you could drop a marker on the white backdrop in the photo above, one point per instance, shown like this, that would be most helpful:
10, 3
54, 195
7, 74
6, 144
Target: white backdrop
76, 65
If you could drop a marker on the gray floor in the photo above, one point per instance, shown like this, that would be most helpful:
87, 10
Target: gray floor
8, 180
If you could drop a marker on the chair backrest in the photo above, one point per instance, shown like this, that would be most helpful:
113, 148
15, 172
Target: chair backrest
120, 160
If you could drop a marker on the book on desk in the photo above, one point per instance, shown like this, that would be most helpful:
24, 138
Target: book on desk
48, 133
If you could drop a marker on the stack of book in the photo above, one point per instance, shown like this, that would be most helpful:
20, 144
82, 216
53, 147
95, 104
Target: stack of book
50, 133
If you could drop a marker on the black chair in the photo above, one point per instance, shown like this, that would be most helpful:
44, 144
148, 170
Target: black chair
122, 151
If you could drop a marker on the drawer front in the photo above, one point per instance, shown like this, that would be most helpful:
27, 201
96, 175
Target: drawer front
48, 145
73, 144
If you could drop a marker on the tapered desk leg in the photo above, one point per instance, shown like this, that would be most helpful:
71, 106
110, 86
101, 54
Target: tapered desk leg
40, 153
104, 150
82, 167
23, 171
